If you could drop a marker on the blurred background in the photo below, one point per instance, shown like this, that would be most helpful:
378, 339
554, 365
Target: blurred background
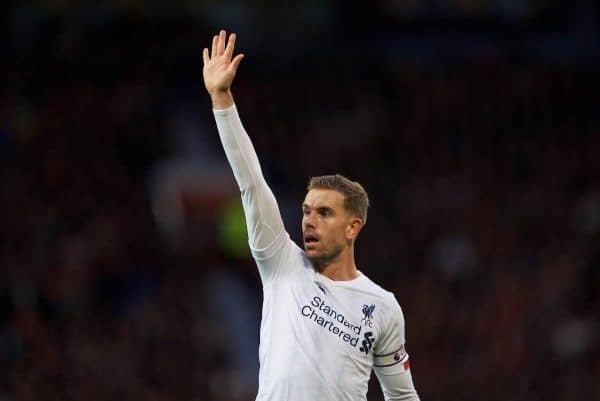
473, 124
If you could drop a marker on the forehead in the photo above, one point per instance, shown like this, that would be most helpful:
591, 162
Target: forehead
324, 197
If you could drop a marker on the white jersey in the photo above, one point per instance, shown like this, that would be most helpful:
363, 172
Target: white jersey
319, 339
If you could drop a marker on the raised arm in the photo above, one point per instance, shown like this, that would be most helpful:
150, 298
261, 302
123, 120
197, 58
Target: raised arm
266, 232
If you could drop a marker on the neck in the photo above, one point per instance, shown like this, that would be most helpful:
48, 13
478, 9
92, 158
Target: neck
343, 268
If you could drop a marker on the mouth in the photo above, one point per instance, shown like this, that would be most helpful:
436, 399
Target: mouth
310, 240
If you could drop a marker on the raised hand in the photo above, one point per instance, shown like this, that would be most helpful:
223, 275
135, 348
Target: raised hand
219, 69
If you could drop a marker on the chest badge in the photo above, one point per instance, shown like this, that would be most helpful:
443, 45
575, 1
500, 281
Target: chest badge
367, 311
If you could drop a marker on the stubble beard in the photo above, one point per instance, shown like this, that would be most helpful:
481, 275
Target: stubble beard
324, 259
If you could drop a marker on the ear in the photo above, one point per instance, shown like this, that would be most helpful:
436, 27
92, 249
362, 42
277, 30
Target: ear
354, 227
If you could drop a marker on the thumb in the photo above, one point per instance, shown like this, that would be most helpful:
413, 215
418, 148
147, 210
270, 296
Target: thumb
235, 63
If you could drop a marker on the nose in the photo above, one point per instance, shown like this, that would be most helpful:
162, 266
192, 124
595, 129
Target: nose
308, 220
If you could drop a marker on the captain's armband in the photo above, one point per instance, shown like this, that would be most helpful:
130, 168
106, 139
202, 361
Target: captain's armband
397, 359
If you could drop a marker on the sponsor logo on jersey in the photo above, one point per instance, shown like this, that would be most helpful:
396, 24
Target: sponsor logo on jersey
367, 342
331, 320
338, 324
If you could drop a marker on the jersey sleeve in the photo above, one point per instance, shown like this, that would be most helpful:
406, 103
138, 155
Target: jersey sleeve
389, 354
267, 237
390, 359
397, 387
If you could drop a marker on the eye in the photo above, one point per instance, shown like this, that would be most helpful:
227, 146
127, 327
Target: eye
324, 213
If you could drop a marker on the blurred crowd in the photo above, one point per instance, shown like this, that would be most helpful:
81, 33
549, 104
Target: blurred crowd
485, 218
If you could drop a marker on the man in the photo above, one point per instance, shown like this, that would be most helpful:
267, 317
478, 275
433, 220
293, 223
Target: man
325, 325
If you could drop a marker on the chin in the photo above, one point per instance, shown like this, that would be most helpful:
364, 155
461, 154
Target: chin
320, 260
312, 255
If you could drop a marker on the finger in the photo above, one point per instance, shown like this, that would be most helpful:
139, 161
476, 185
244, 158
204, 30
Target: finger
230, 46
205, 57
213, 52
221, 43
236, 63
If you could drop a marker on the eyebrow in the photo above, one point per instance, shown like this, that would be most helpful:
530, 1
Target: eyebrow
320, 208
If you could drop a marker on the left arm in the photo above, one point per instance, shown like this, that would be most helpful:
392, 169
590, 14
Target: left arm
397, 387
390, 360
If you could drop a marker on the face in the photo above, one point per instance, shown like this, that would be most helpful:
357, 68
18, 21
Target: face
327, 226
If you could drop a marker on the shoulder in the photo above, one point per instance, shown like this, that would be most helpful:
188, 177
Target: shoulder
387, 299
376, 290
288, 261
298, 255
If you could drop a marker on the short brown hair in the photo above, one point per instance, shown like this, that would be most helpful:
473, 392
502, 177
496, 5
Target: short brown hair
356, 200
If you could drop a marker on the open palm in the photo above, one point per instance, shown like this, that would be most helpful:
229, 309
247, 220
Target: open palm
219, 67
